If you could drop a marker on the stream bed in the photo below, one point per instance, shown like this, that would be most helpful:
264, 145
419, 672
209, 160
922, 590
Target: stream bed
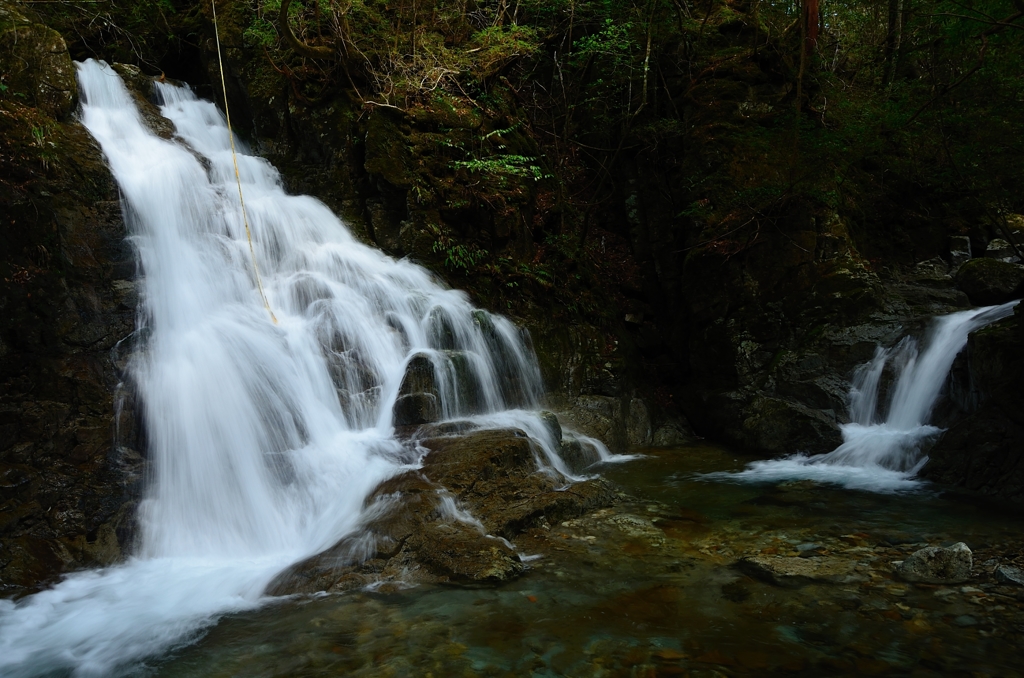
651, 587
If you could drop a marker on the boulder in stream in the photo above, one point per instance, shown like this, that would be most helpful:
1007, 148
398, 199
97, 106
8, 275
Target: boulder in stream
449, 521
937, 565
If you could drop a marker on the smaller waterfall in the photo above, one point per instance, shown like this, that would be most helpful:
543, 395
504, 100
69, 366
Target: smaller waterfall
883, 444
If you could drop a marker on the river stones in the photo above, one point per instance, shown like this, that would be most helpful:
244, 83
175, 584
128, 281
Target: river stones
937, 565
791, 572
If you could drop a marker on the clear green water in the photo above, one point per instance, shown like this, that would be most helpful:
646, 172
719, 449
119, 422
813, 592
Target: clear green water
649, 588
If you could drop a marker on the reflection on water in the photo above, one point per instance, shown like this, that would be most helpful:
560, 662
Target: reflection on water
650, 588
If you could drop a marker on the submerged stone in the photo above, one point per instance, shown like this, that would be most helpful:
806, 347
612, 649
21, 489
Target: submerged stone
791, 571
965, 620
937, 565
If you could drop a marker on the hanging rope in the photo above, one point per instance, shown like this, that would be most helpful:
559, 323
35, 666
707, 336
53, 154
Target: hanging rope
234, 159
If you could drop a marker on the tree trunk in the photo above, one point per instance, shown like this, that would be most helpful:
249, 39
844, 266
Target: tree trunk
893, 38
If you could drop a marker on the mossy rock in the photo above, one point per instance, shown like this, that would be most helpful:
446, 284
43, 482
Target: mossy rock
36, 65
989, 281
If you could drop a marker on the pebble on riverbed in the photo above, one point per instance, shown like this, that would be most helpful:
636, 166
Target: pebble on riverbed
937, 565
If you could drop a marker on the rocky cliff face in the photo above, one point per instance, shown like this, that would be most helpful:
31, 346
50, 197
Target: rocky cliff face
67, 301
983, 450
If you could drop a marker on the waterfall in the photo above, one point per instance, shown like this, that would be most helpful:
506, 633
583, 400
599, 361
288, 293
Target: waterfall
884, 453
263, 439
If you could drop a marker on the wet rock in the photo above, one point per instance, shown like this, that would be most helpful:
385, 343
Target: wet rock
415, 533
461, 556
141, 87
446, 428
466, 387
1007, 574
416, 408
990, 281
793, 571
494, 473
937, 565
448, 521
782, 427
550, 420
418, 399
577, 455
419, 376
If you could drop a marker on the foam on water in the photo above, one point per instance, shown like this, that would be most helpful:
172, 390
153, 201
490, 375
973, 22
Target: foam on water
884, 453
263, 439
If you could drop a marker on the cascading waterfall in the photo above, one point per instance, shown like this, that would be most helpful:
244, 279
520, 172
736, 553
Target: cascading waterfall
264, 439
885, 453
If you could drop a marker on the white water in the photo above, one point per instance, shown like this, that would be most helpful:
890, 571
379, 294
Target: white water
884, 453
264, 439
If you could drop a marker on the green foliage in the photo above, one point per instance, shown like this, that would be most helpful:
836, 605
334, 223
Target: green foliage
458, 257
139, 32
616, 42
505, 165
541, 110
